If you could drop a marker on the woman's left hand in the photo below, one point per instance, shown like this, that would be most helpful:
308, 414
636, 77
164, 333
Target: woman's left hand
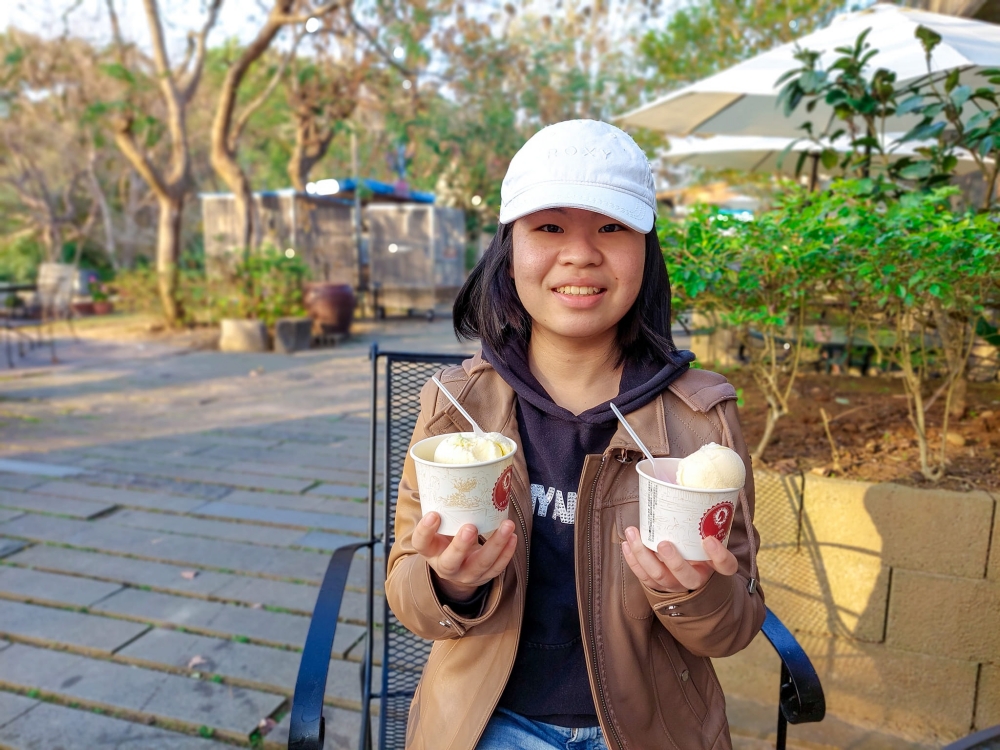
666, 571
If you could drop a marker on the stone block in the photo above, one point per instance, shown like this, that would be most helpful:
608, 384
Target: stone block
10, 546
827, 590
235, 532
9, 514
340, 490
988, 699
60, 627
322, 540
242, 336
284, 517
12, 706
260, 667
118, 496
43, 528
292, 469
930, 530
216, 618
232, 710
33, 585
777, 509
292, 335
19, 481
60, 506
48, 726
945, 616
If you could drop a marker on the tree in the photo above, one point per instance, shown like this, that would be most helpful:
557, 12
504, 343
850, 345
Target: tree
137, 133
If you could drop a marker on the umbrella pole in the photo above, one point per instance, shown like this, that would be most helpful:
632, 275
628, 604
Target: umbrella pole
815, 173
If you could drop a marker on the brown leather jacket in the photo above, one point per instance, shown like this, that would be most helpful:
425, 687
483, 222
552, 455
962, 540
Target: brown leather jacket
647, 652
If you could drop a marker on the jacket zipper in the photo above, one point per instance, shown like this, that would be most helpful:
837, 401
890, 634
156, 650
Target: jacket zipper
590, 605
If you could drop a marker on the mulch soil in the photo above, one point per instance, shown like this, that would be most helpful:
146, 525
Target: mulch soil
872, 430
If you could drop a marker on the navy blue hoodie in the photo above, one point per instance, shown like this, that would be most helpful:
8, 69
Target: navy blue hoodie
549, 681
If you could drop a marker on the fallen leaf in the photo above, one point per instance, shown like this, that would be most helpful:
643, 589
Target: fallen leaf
189, 575
156, 541
266, 725
256, 605
197, 661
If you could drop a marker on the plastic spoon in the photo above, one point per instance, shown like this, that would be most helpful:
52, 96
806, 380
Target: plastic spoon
475, 427
642, 446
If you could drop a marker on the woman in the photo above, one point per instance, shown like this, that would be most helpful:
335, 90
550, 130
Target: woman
562, 629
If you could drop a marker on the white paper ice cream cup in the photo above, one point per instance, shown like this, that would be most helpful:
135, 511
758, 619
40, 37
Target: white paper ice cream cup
682, 516
464, 493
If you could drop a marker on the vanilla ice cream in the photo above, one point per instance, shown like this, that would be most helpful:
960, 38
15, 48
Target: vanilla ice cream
466, 449
712, 467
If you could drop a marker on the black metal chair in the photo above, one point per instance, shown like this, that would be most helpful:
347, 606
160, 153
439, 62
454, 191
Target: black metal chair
404, 654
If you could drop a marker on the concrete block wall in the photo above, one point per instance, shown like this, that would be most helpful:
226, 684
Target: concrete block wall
894, 593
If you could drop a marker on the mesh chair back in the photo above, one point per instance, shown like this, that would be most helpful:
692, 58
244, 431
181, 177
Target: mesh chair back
403, 654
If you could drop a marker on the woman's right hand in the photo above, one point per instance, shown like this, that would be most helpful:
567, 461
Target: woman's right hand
461, 563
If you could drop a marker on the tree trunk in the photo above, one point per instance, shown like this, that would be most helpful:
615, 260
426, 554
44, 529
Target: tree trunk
958, 401
168, 242
236, 180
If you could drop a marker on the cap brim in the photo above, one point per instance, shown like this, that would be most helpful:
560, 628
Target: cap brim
631, 211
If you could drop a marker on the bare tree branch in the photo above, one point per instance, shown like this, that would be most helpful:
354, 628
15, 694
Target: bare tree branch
139, 161
190, 82
286, 19
383, 52
253, 106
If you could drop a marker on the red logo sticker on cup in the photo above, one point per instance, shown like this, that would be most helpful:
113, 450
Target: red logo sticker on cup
716, 521
501, 490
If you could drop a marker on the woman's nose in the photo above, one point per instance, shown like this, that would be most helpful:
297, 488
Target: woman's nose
580, 250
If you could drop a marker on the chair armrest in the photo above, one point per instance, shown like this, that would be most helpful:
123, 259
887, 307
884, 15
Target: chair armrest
978, 740
801, 695
306, 731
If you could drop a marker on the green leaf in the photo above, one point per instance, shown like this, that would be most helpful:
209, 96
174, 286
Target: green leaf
119, 72
911, 104
985, 145
929, 39
952, 80
917, 170
829, 158
960, 96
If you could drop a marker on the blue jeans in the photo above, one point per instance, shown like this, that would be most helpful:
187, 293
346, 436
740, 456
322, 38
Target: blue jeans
509, 731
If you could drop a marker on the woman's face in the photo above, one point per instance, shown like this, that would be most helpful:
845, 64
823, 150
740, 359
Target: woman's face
577, 272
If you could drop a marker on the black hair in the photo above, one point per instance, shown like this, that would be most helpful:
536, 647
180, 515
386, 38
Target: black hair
488, 308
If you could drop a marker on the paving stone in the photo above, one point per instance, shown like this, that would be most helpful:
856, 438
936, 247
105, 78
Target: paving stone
266, 668
10, 546
65, 628
222, 619
22, 583
315, 473
130, 498
214, 476
38, 469
326, 541
237, 532
340, 490
308, 503
231, 709
156, 484
7, 514
56, 505
12, 706
223, 509
52, 727
20, 481
249, 590
343, 729
233, 556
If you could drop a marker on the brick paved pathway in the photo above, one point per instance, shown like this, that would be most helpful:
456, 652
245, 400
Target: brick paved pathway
165, 519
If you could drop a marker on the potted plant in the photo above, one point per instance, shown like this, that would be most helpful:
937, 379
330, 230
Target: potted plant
102, 304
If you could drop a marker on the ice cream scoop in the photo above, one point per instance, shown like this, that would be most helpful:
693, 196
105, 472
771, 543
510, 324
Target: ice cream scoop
712, 467
466, 449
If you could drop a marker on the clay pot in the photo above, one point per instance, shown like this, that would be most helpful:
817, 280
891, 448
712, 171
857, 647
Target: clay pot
83, 308
330, 305
103, 307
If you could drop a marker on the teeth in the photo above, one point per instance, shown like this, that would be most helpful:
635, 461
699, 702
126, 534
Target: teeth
580, 290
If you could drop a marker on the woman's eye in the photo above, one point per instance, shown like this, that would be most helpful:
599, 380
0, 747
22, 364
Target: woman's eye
554, 228
612, 228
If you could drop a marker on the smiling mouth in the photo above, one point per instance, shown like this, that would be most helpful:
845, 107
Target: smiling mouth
581, 291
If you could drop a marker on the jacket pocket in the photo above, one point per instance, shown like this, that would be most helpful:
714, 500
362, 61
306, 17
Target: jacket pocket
666, 661
633, 596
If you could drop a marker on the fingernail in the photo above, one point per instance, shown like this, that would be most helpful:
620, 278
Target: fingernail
626, 550
468, 534
665, 548
630, 533
428, 520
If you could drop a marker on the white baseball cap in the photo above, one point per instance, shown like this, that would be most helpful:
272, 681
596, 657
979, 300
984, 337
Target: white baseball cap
581, 164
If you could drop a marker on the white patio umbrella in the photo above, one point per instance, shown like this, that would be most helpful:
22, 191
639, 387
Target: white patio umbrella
762, 153
742, 100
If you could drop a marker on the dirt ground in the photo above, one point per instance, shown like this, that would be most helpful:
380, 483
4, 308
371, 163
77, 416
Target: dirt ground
873, 434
